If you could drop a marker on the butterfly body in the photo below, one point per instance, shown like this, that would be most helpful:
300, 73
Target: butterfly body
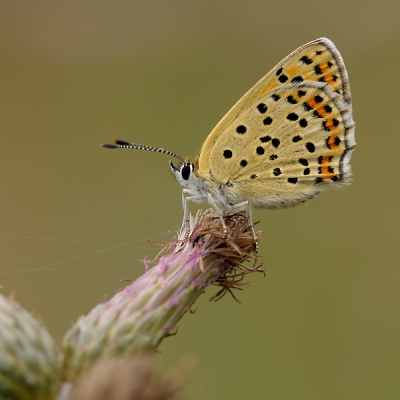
287, 139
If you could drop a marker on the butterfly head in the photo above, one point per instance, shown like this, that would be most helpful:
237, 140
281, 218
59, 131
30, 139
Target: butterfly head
185, 173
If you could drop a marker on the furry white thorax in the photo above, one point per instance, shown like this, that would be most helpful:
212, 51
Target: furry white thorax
200, 190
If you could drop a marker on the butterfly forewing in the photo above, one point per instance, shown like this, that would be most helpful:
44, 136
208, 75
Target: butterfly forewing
317, 61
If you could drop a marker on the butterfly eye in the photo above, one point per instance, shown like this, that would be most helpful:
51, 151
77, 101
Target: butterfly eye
186, 170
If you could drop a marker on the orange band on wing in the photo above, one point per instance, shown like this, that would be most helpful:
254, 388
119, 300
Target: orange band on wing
333, 142
325, 66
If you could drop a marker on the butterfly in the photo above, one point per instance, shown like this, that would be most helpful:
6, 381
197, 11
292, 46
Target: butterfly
288, 138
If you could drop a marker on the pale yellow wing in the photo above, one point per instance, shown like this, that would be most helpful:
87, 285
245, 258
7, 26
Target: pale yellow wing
295, 141
317, 61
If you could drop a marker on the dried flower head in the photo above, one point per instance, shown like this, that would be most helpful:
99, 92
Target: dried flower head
136, 319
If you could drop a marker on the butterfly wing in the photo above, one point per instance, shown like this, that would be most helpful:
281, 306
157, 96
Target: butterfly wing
287, 138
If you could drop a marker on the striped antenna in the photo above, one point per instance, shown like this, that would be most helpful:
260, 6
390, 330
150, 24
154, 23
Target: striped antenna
119, 144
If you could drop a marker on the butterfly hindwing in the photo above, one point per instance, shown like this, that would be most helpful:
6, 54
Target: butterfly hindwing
290, 144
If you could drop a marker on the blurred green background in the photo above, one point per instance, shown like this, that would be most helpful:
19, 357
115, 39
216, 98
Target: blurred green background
75, 218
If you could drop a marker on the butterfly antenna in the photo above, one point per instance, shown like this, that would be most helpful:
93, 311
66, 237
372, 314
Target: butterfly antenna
119, 144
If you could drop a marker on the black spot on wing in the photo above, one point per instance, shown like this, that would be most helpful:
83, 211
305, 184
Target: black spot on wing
227, 154
265, 139
316, 114
241, 129
267, 121
318, 98
297, 79
283, 78
310, 147
303, 161
303, 123
306, 60
292, 117
297, 138
260, 150
276, 142
301, 93
262, 108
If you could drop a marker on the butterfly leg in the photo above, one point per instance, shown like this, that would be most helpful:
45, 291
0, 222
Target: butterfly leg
185, 200
214, 205
246, 206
